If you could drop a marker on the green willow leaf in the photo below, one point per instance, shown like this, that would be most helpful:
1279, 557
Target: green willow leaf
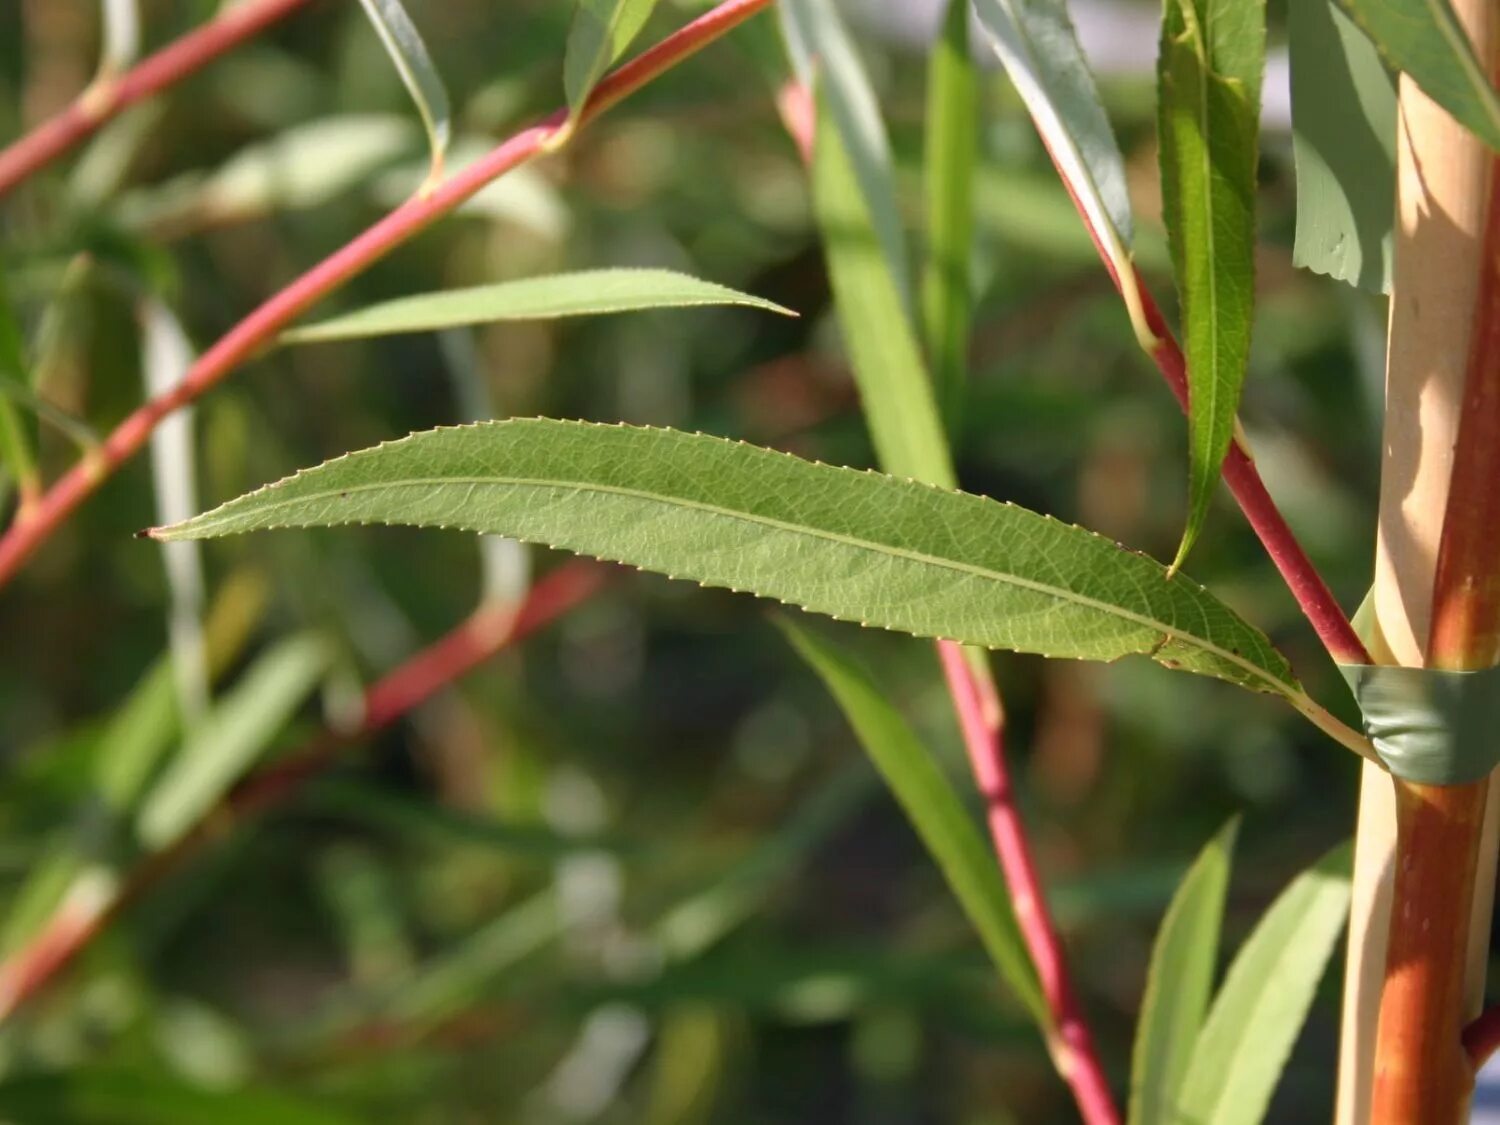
1424, 39
583, 293
1179, 983
1257, 1014
1212, 55
857, 546
409, 54
601, 31
951, 155
1344, 138
893, 383
935, 811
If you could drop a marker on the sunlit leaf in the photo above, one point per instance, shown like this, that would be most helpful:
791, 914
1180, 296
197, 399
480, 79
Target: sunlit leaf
121, 35
1260, 1009
931, 804
1179, 983
601, 31
404, 44
889, 552
1212, 56
587, 292
1424, 39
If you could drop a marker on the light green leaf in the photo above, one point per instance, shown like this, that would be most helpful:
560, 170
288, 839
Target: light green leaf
951, 154
1036, 43
1212, 55
587, 292
893, 383
121, 36
404, 44
935, 811
116, 1096
230, 739
1257, 1014
1424, 39
16, 455
857, 546
825, 60
1344, 138
1179, 983
601, 31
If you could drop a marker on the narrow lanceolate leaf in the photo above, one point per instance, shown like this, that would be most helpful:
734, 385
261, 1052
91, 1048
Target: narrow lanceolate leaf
1036, 43
946, 828
409, 54
952, 148
1212, 55
863, 547
824, 58
1256, 1017
1424, 39
1179, 984
1344, 138
230, 739
121, 35
584, 293
894, 387
601, 31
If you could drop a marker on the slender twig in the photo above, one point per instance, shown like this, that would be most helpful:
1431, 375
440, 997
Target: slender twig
1072, 1044
259, 330
111, 94
98, 899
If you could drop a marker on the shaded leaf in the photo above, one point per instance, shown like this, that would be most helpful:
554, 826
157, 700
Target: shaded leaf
857, 546
928, 798
1257, 1014
1179, 983
1212, 55
587, 292
404, 44
1424, 39
601, 31
1344, 138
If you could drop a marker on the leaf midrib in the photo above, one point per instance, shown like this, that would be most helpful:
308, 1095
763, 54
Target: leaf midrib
1062, 594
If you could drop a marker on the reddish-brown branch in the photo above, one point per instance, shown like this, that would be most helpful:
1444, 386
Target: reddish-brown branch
83, 916
1302, 578
1072, 1044
1482, 1037
109, 96
260, 328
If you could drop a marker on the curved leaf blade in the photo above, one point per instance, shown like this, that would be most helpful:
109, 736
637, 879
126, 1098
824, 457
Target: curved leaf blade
893, 553
936, 813
1259, 1011
582, 293
1212, 55
1179, 983
403, 42
1424, 39
601, 31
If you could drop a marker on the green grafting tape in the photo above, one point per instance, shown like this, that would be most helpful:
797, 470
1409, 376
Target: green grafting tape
1430, 726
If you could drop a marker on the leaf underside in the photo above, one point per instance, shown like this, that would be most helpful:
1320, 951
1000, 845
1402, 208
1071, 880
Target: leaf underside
863, 547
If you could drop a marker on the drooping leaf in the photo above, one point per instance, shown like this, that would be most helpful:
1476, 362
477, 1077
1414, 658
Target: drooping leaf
15, 438
1424, 39
98, 1095
1344, 138
1212, 55
893, 384
229, 740
864, 547
824, 59
601, 31
1039, 48
584, 293
1179, 983
936, 813
1258, 1012
121, 35
404, 44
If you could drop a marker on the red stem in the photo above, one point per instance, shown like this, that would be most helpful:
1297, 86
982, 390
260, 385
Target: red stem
108, 97
80, 918
1072, 1044
1240, 474
260, 328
